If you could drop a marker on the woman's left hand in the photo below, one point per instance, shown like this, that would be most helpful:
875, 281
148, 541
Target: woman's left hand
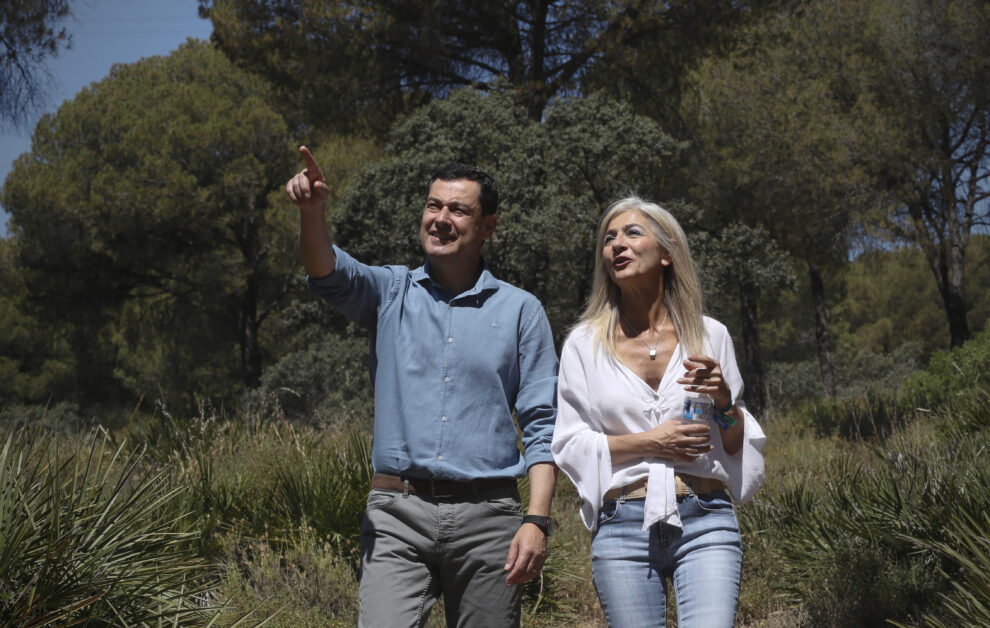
704, 375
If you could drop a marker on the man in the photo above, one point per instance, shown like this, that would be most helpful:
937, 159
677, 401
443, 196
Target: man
454, 351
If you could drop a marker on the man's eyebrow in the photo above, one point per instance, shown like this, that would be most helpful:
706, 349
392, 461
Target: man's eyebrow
461, 204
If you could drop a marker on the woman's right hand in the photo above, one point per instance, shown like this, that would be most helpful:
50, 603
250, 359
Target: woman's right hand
672, 440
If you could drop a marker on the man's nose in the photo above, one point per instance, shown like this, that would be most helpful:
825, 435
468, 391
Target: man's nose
443, 216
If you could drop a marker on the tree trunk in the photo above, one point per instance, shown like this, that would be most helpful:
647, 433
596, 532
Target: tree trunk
250, 346
821, 330
752, 360
954, 299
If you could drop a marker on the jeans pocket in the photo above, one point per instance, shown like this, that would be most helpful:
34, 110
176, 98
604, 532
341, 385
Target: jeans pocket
716, 501
378, 499
504, 506
610, 508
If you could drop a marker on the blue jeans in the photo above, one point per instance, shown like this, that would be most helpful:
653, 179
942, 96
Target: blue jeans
704, 559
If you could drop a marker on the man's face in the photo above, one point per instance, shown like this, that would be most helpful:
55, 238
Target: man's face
453, 227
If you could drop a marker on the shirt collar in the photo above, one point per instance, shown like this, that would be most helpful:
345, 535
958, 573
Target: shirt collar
486, 280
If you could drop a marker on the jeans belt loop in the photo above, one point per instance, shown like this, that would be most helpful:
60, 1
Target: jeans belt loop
622, 497
405, 487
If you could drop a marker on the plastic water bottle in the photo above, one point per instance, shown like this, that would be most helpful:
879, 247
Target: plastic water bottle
698, 407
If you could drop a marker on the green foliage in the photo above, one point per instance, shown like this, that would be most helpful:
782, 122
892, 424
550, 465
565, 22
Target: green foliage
301, 578
29, 32
649, 68
59, 417
328, 492
266, 479
888, 299
325, 383
860, 417
554, 178
968, 549
35, 364
156, 257
360, 65
853, 538
952, 374
90, 536
860, 374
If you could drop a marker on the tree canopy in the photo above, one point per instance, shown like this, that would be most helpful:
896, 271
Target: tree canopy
142, 210
348, 66
30, 32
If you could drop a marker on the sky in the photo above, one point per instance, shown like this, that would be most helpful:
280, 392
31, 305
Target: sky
104, 33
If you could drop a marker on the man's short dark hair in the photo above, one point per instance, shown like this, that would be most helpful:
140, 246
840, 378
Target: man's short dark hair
489, 189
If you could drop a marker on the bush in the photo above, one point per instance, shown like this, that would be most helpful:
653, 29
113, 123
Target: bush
325, 384
302, 578
863, 417
952, 374
855, 542
968, 550
858, 374
63, 417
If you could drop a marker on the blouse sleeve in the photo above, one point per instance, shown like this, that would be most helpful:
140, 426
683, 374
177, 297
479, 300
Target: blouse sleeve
579, 448
745, 468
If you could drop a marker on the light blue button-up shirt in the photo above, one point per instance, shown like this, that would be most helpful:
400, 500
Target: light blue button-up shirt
448, 371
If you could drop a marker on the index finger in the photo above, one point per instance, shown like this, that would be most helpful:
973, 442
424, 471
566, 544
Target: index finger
704, 360
312, 168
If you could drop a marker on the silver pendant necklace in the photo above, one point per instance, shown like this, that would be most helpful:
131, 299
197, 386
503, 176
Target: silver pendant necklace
653, 349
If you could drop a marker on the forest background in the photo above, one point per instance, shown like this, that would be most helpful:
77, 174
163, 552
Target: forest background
829, 161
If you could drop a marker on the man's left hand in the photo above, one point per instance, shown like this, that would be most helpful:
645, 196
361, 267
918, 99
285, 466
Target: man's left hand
526, 554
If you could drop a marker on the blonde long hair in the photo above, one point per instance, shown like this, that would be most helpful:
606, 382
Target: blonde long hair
681, 288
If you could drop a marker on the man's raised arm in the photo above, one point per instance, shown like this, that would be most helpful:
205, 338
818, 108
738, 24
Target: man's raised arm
309, 191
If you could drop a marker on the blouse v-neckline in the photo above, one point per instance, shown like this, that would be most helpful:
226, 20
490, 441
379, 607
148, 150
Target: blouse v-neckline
666, 372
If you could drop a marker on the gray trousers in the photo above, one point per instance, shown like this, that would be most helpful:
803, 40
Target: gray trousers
413, 549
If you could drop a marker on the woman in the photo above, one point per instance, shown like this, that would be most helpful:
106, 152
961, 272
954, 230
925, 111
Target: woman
655, 488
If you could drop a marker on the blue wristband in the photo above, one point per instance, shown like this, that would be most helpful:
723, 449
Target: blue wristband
723, 418
720, 420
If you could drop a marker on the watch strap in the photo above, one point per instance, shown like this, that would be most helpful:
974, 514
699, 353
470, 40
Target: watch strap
543, 523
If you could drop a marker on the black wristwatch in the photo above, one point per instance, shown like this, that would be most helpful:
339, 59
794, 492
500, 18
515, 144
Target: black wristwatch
543, 523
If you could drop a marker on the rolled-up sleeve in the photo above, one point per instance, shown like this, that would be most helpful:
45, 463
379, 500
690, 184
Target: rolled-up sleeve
536, 408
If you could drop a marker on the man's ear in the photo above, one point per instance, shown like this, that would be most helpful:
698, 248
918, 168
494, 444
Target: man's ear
488, 227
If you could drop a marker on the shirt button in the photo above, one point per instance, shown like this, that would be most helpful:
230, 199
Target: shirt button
443, 418
450, 340
446, 379
439, 457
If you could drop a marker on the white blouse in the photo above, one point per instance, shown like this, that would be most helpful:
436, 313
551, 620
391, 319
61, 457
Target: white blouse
597, 395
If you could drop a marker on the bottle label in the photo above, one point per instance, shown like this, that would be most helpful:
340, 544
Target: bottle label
698, 409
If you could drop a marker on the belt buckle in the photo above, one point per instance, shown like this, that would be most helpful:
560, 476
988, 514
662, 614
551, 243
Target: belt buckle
433, 489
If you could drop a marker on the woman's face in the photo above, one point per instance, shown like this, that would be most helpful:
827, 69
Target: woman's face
631, 252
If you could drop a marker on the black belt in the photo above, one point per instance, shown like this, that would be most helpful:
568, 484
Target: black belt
441, 488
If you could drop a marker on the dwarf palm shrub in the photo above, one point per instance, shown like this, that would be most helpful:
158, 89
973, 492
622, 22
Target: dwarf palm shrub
866, 539
326, 488
88, 536
967, 548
